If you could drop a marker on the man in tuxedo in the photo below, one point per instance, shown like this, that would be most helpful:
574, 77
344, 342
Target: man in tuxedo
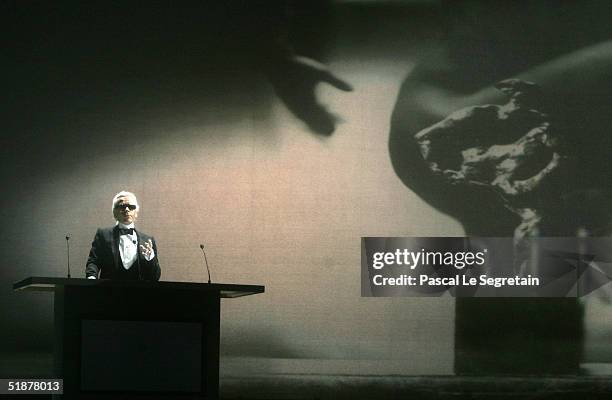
121, 252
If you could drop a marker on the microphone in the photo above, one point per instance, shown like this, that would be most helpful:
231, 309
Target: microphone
68, 252
206, 261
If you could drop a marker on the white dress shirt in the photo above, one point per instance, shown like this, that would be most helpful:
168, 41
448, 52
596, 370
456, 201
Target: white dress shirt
128, 246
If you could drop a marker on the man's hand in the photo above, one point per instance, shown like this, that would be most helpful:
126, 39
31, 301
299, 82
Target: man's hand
147, 250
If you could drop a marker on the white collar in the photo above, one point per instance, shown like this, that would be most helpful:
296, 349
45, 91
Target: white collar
123, 226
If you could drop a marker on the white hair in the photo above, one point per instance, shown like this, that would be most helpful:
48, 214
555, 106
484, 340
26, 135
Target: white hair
123, 193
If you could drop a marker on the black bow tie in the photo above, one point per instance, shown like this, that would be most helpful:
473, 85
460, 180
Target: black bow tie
126, 231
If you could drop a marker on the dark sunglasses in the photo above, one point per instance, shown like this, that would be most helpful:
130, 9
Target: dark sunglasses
123, 206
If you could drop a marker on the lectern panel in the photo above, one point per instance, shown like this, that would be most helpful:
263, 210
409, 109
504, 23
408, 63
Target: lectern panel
147, 356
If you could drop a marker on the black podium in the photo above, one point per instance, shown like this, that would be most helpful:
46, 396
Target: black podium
137, 340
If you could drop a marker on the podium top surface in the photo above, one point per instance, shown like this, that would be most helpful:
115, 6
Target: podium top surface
48, 284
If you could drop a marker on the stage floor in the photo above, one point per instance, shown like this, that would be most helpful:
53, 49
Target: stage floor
280, 379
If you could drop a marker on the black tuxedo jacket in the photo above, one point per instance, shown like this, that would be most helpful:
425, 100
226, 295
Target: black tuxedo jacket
104, 260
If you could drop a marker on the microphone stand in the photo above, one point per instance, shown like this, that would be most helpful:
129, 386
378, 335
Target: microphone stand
68, 253
206, 261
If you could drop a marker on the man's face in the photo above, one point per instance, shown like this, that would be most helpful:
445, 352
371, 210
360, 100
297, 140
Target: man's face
125, 210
